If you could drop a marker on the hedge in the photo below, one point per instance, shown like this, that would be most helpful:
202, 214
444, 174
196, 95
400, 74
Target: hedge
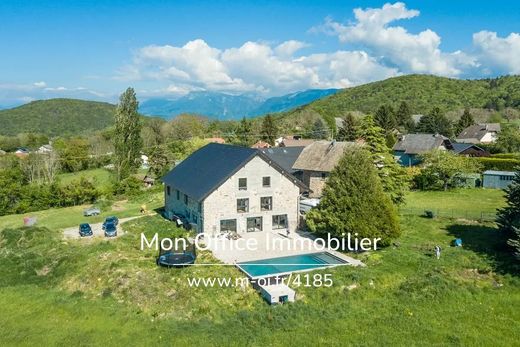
501, 164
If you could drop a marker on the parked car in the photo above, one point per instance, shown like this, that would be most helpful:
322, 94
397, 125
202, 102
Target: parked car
110, 230
85, 230
91, 211
110, 220
178, 219
307, 204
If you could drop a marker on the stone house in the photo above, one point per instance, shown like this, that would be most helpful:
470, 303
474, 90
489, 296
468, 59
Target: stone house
225, 188
317, 160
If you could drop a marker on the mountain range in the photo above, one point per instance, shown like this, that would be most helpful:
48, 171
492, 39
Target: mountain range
229, 107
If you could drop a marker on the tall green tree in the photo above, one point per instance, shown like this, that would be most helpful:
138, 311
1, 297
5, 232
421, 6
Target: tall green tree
393, 176
385, 118
354, 201
159, 161
269, 130
465, 121
436, 122
349, 129
244, 131
508, 140
403, 117
319, 130
127, 135
508, 218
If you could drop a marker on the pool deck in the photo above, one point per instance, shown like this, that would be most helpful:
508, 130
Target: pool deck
222, 248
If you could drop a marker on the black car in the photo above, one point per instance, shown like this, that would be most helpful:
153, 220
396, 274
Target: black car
110, 230
110, 220
85, 230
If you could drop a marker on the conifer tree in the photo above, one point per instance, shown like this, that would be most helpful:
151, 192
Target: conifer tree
269, 130
404, 117
393, 176
348, 131
465, 121
508, 218
354, 201
385, 118
436, 123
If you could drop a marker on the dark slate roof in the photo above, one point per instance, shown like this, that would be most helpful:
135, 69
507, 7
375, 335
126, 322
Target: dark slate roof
283, 156
477, 131
210, 166
461, 147
420, 143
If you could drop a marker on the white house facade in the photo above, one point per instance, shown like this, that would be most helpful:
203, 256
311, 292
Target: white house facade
223, 188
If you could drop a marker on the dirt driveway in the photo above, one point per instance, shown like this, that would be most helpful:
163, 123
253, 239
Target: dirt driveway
97, 229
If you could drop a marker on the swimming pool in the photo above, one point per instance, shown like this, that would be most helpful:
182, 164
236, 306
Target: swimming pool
293, 263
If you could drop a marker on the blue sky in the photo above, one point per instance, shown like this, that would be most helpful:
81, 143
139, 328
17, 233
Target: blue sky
95, 49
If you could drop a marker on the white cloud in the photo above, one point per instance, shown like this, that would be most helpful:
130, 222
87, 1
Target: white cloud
415, 53
252, 67
40, 84
498, 54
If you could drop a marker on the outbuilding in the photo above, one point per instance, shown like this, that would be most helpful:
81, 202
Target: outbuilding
497, 179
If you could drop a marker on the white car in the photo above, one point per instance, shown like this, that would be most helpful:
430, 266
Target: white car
307, 204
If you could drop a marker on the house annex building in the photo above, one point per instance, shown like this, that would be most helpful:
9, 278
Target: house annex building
225, 188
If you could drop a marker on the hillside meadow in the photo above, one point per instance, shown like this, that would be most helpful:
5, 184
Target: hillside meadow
109, 292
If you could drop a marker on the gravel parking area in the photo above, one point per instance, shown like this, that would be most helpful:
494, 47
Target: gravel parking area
97, 230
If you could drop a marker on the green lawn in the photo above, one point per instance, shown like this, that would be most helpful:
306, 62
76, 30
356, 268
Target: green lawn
101, 176
459, 203
58, 218
109, 292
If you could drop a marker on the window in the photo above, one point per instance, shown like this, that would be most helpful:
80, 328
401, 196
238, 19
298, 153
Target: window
242, 184
178, 195
280, 221
228, 226
200, 207
266, 203
242, 205
185, 199
266, 181
506, 178
168, 190
254, 224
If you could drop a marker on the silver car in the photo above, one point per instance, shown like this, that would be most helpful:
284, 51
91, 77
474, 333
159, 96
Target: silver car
92, 211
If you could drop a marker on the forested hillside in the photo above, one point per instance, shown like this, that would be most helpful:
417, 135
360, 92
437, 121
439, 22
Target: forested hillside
57, 117
421, 92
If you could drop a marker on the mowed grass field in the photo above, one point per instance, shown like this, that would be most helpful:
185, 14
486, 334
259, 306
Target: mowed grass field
457, 203
93, 292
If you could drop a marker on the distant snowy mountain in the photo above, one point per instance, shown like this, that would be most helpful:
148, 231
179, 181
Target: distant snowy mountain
226, 106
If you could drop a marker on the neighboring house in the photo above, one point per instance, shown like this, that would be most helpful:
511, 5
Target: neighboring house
215, 140
469, 150
296, 142
21, 152
340, 122
261, 144
497, 179
285, 157
317, 160
44, 149
480, 133
224, 188
410, 146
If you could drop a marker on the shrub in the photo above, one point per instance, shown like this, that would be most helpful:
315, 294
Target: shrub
493, 163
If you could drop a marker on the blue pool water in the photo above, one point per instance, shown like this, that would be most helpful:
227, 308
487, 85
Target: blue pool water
276, 266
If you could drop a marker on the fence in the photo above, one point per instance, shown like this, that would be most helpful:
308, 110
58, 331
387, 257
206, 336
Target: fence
451, 213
